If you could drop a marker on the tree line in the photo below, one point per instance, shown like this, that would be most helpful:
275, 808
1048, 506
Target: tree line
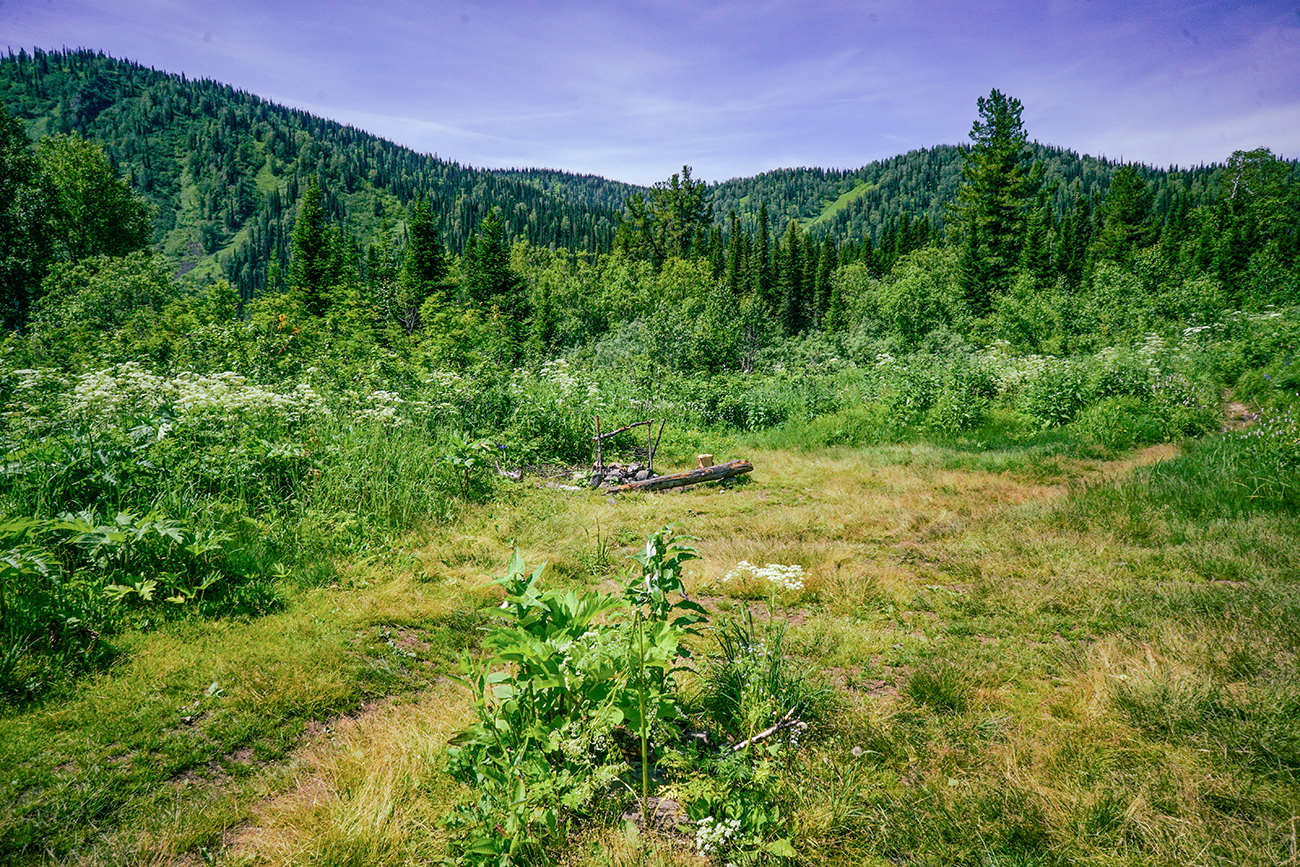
313, 222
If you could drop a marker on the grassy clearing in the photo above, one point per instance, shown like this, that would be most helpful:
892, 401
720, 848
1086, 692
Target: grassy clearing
839, 204
1040, 659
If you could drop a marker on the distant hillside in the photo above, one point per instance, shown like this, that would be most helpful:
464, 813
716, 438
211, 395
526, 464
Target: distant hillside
853, 203
223, 168
588, 190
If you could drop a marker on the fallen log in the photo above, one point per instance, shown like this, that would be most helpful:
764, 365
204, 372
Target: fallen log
691, 477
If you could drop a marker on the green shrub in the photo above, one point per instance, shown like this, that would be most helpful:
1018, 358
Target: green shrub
1056, 394
553, 418
566, 675
909, 387
963, 400
66, 582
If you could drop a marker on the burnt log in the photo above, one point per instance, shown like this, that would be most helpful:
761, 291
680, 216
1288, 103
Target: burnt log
691, 477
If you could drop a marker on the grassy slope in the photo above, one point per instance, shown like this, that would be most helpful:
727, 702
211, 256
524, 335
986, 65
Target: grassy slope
833, 208
1037, 671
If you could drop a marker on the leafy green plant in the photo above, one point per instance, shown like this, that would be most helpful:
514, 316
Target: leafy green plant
737, 813
559, 679
48, 623
661, 563
468, 458
1056, 394
139, 555
1120, 423
751, 682
552, 416
66, 581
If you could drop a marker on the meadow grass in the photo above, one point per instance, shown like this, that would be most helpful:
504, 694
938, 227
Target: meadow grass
1038, 657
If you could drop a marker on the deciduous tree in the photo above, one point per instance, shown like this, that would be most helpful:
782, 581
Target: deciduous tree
24, 228
93, 211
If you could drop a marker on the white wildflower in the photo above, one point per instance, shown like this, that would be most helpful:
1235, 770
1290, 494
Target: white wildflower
713, 837
775, 575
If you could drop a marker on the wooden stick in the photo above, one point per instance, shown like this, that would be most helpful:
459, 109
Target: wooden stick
784, 722
651, 459
600, 436
691, 477
600, 454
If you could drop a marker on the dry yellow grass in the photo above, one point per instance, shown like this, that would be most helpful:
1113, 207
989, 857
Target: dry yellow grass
365, 790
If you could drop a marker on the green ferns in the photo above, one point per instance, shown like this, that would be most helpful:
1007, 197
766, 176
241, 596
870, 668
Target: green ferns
66, 582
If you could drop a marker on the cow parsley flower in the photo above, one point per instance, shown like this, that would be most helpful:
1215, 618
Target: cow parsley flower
774, 575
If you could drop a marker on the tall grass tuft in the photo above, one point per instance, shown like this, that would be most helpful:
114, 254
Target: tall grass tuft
942, 687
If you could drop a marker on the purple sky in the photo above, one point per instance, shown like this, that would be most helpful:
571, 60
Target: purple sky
633, 90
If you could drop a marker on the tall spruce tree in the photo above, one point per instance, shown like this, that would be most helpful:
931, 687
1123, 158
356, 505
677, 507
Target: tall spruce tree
1036, 252
312, 261
424, 266
492, 284
764, 285
998, 187
734, 275
1125, 216
793, 308
827, 263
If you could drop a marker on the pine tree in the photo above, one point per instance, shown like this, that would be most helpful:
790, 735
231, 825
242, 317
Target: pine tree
492, 284
668, 221
734, 275
808, 259
717, 252
544, 321
312, 262
790, 275
997, 188
763, 282
836, 318
1036, 253
1125, 216
424, 267
827, 262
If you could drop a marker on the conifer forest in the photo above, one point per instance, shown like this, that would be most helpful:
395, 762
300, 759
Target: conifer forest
307, 557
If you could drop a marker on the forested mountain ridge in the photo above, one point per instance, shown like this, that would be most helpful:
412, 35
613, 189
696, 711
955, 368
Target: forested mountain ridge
223, 169
858, 203
590, 190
